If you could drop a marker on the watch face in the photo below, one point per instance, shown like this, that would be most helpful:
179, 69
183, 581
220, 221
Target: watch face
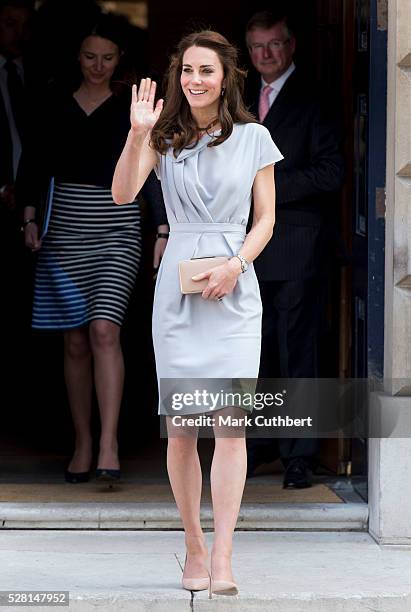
244, 264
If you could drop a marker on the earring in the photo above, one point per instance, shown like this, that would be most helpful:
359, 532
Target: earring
222, 92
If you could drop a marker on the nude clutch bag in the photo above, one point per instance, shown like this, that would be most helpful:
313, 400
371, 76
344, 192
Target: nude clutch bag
190, 267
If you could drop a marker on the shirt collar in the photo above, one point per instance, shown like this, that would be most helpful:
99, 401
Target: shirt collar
278, 83
18, 61
188, 152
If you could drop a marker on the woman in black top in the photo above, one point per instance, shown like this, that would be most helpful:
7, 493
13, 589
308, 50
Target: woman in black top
89, 257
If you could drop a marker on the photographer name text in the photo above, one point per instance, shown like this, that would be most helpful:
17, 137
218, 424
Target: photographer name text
245, 421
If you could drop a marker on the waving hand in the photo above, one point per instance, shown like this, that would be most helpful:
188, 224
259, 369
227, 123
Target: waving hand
143, 115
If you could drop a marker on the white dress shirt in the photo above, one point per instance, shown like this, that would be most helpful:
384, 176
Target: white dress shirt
278, 84
4, 91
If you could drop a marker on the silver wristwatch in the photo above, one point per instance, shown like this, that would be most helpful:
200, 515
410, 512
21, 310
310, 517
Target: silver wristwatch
243, 262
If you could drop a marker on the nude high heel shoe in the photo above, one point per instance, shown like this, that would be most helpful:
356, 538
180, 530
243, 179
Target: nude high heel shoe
195, 584
222, 587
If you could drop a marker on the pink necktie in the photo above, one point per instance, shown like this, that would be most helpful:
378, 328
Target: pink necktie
264, 103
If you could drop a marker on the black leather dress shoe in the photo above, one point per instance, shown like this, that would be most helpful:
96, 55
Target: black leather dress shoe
76, 477
297, 475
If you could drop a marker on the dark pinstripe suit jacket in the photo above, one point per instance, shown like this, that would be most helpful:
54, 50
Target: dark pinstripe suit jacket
6, 147
307, 135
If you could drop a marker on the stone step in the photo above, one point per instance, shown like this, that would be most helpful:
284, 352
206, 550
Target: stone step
278, 516
112, 571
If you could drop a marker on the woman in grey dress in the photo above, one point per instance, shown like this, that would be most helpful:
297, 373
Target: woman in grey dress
211, 157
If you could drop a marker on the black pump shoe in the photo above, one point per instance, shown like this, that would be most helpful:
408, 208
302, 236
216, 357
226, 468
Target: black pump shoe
76, 477
107, 475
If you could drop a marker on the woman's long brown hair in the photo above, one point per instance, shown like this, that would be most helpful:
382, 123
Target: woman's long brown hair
176, 123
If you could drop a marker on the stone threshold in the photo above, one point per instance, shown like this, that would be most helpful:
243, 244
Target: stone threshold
142, 516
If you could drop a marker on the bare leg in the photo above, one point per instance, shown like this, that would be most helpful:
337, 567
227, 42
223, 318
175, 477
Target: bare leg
109, 381
228, 473
79, 381
184, 470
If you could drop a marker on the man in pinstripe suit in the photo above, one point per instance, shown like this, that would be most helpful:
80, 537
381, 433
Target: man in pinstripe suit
291, 266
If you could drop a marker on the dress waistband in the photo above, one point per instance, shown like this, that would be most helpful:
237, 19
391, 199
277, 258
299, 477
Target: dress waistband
204, 228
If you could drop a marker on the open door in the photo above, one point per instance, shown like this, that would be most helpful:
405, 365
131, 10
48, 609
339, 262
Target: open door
368, 231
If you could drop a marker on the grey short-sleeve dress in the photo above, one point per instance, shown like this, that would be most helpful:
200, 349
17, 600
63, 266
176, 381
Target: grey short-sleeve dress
207, 193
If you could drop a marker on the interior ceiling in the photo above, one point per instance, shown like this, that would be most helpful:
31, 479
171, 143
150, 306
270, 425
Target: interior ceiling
134, 10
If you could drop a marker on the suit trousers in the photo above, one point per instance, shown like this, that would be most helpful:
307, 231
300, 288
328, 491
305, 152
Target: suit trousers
290, 333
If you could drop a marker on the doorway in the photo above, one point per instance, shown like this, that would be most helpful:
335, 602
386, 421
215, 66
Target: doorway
334, 46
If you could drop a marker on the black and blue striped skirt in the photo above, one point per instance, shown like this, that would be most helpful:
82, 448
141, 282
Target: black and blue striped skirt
89, 259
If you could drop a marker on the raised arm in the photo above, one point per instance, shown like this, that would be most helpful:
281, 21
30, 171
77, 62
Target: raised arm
137, 159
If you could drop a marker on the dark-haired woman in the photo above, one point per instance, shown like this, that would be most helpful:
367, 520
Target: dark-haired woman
211, 157
89, 258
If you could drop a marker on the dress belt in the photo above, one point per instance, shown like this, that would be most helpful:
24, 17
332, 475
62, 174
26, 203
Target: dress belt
205, 228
